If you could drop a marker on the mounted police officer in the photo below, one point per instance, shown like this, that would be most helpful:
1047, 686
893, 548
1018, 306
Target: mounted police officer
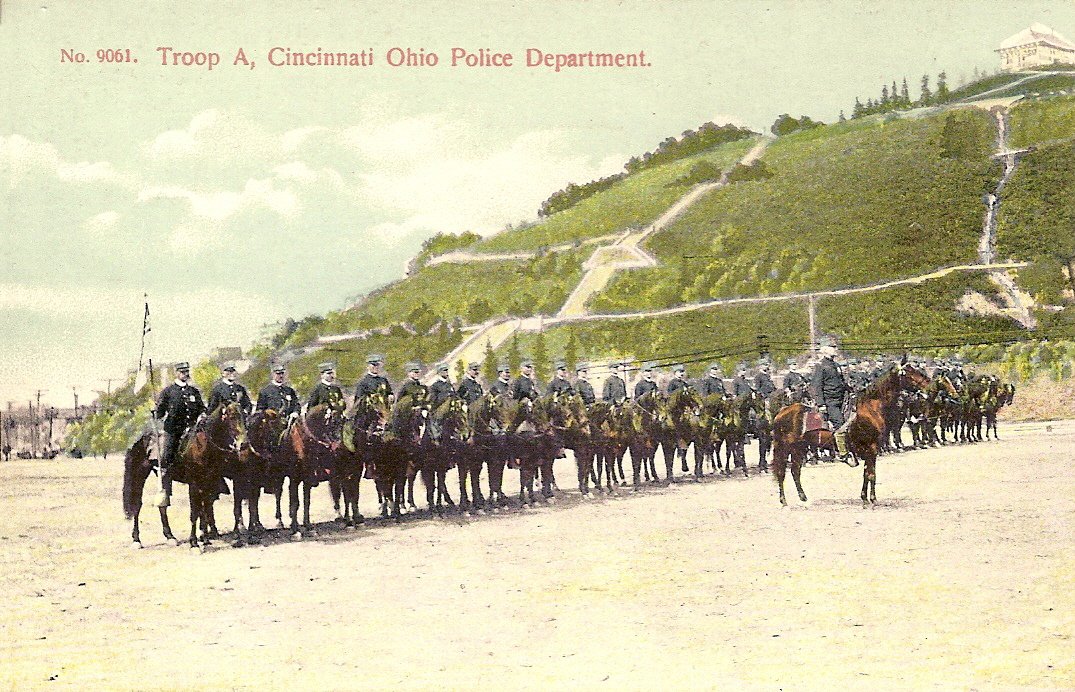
712, 383
741, 385
763, 382
373, 381
646, 384
228, 390
470, 390
794, 382
327, 392
441, 390
278, 395
679, 379
829, 389
615, 389
524, 386
559, 384
582, 384
413, 386
502, 384
179, 406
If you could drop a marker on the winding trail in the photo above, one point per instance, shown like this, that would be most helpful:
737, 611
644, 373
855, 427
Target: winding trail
1019, 303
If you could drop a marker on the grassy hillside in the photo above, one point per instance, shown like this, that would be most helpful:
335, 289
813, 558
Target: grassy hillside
1036, 219
1042, 85
469, 293
633, 202
848, 204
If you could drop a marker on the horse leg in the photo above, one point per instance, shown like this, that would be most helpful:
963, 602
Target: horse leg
195, 511
796, 473
699, 460
581, 459
238, 486
293, 505
279, 515
476, 483
136, 540
306, 506
780, 462
462, 469
548, 481
740, 455
429, 480
336, 490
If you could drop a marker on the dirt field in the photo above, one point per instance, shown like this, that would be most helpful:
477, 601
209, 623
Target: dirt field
962, 577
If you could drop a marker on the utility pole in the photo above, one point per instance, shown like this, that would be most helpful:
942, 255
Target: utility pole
812, 312
74, 391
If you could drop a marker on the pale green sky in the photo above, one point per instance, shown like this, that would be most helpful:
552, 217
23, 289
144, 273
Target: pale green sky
237, 197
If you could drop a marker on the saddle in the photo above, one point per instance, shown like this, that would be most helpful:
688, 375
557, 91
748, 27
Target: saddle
813, 420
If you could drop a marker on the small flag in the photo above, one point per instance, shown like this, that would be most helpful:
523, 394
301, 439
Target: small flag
140, 378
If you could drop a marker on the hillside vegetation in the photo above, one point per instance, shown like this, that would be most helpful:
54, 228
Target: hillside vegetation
633, 202
848, 204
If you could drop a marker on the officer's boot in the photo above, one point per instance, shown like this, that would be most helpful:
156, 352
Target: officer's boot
164, 497
841, 449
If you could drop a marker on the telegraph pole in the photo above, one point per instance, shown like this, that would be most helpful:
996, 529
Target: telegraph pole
812, 312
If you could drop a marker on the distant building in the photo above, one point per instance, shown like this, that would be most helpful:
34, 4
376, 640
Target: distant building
224, 353
1036, 46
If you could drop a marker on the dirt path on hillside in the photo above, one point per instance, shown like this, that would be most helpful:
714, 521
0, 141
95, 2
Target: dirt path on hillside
960, 578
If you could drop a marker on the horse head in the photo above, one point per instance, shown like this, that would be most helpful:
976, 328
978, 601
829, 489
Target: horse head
227, 428
911, 378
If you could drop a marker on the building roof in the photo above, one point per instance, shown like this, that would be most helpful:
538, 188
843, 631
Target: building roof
1037, 33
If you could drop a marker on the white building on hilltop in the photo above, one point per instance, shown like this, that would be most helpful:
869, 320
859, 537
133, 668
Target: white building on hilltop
1036, 46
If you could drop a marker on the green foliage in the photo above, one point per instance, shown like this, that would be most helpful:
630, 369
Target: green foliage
847, 204
1042, 85
541, 358
443, 243
473, 292
489, 363
1036, 219
1037, 122
514, 357
785, 124
693, 142
758, 170
571, 351
960, 138
631, 203
205, 375
701, 172
573, 194
1024, 361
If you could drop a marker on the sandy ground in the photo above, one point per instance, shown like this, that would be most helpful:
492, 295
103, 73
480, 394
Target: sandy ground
962, 577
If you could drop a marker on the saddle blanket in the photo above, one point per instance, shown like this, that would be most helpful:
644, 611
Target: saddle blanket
813, 420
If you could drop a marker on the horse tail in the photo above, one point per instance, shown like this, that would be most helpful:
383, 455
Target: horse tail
134, 479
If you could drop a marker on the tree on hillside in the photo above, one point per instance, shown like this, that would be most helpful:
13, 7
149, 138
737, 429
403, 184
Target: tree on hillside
571, 351
785, 124
460, 369
884, 95
942, 87
905, 96
859, 110
895, 94
541, 358
479, 311
927, 95
843, 118
514, 358
489, 363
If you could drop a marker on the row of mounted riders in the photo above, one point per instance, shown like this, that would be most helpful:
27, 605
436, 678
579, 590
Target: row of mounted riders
392, 442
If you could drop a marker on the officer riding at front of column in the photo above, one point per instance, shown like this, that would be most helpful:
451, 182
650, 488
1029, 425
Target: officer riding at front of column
179, 407
228, 389
829, 390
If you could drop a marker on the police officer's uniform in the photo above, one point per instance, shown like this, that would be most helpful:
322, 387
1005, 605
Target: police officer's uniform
615, 389
470, 390
829, 389
524, 387
441, 390
326, 393
179, 406
372, 383
225, 392
710, 385
502, 385
278, 397
583, 386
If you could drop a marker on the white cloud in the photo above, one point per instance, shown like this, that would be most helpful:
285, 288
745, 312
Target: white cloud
222, 204
21, 157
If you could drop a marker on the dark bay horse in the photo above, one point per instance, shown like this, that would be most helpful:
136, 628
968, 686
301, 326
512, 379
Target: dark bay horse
199, 464
447, 441
393, 457
360, 434
266, 435
487, 420
312, 449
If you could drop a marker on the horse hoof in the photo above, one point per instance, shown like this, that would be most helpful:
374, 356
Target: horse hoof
297, 536
352, 527
551, 500
279, 525
802, 498
137, 545
359, 519
237, 544
197, 548
178, 543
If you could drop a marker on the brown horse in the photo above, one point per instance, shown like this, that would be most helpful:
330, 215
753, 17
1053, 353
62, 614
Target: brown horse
312, 450
268, 436
199, 464
867, 429
864, 433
